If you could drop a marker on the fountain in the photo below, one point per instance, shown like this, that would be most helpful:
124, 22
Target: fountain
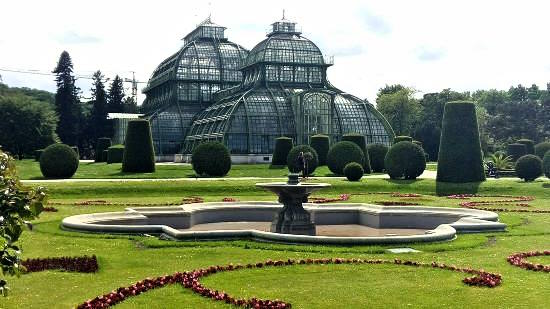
293, 218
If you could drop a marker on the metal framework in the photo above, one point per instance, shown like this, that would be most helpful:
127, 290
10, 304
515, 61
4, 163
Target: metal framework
284, 92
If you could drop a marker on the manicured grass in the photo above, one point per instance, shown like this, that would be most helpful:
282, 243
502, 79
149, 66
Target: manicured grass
124, 260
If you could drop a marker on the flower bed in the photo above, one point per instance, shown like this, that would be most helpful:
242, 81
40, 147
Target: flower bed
229, 199
50, 209
395, 203
185, 200
82, 264
510, 200
322, 200
191, 280
518, 259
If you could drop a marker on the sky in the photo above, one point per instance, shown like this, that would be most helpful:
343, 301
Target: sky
428, 45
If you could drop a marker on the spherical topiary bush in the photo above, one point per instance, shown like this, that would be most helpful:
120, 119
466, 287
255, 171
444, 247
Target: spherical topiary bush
402, 138
377, 153
310, 155
541, 149
460, 159
58, 161
282, 147
102, 144
516, 151
359, 140
211, 159
353, 171
405, 160
115, 154
529, 145
321, 144
341, 154
529, 167
546, 164
139, 154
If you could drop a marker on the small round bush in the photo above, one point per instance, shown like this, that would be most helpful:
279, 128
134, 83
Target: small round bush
402, 138
377, 153
529, 145
282, 147
58, 161
211, 159
541, 149
353, 171
529, 167
102, 144
546, 164
341, 154
309, 154
115, 154
405, 160
359, 140
516, 151
321, 144
139, 154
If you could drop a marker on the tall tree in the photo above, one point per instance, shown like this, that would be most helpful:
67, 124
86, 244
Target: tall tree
116, 96
98, 119
130, 105
67, 101
400, 109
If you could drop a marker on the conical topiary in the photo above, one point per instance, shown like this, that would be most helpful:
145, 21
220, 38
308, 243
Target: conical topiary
359, 140
321, 144
460, 159
282, 147
139, 155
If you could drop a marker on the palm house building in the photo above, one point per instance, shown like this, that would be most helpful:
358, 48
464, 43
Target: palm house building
248, 99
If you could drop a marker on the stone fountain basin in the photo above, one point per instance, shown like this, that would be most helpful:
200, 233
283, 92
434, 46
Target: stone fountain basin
173, 222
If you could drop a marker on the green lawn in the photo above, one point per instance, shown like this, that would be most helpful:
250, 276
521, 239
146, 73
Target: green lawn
124, 260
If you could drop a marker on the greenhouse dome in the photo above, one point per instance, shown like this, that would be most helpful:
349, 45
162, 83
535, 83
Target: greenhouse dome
183, 84
284, 92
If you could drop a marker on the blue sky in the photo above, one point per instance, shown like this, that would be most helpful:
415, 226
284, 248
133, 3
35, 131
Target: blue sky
428, 45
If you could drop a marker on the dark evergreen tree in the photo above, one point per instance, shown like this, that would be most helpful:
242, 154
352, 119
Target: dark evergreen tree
130, 105
116, 96
66, 101
98, 118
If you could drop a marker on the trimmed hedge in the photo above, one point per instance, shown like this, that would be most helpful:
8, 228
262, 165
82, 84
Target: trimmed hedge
37, 154
353, 171
529, 167
211, 159
343, 153
377, 153
460, 158
359, 140
516, 151
405, 160
75, 149
115, 154
541, 149
102, 144
292, 159
282, 147
58, 161
546, 164
139, 154
529, 145
321, 144
402, 138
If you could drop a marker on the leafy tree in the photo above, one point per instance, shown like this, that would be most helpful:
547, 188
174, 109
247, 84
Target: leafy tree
390, 89
98, 123
116, 96
400, 109
130, 105
67, 101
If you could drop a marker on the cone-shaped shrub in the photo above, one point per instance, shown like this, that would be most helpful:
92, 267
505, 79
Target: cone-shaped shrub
58, 161
546, 164
529, 145
402, 138
516, 151
321, 144
102, 144
377, 153
341, 154
282, 147
529, 167
115, 154
542, 148
353, 171
211, 159
405, 160
139, 155
460, 159
359, 140
310, 155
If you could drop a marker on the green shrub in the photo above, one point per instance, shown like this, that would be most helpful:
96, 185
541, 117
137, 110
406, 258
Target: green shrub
377, 153
529, 145
312, 159
211, 159
546, 164
58, 161
402, 138
102, 144
321, 144
104, 155
529, 167
37, 154
75, 149
282, 147
139, 155
115, 154
405, 160
541, 149
359, 140
353, 171
460, 159
516, 151
341, 154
